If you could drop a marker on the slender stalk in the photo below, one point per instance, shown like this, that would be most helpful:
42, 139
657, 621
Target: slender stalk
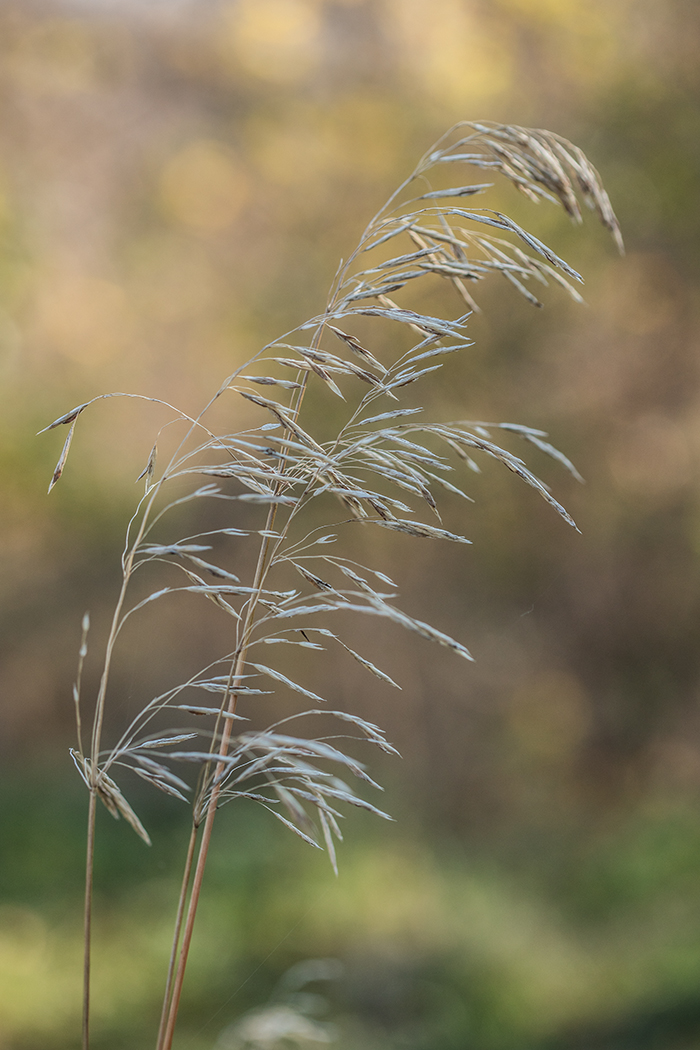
177, 933
111, 642
93, 781
89, 867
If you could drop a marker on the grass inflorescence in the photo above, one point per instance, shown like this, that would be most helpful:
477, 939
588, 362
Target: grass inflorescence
384, 466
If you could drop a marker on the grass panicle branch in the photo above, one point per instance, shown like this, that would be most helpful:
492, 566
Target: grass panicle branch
384, 466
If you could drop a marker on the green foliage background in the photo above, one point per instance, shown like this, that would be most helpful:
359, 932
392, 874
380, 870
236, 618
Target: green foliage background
177, 183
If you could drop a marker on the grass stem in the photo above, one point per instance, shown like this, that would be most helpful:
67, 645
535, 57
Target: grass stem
87, 923
181, 904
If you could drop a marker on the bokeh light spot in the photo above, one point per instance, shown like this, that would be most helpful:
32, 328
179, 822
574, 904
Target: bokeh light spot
85, 318
203, 187
55, 56
456, 58
276, 40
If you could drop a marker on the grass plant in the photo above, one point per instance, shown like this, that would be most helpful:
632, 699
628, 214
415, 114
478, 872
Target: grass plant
380, 466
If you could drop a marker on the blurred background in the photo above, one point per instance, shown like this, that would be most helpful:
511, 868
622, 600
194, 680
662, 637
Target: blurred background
177, 183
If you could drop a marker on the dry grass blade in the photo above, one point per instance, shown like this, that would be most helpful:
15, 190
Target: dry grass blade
150, 467
371, 731
279, 677
372, 668
379, 608
535, 438
64, 453
456, 191
286, 384
314, 580
114, 801
162, 785
418, 528
297, 831
68, 417
217, 712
